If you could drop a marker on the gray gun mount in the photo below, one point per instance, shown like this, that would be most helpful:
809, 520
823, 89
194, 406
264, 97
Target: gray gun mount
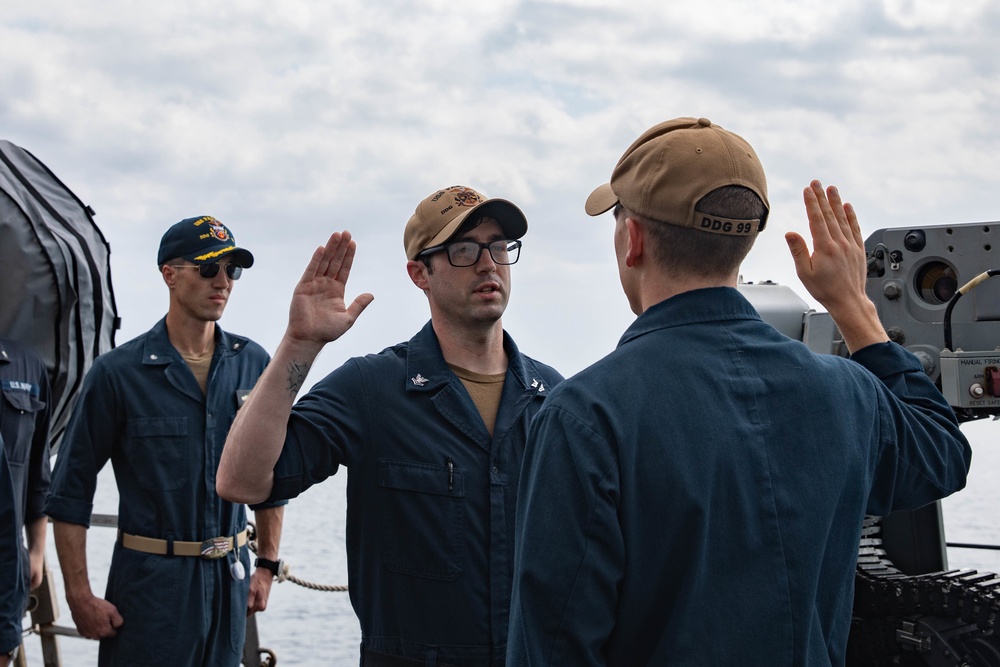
916, 277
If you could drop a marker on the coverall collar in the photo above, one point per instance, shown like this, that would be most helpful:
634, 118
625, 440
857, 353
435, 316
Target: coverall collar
712, 304
426, 369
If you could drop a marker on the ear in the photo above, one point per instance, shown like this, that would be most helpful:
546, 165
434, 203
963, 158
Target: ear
633, 251
169, 274
418, 274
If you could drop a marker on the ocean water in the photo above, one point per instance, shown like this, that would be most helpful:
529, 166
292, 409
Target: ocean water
307, 628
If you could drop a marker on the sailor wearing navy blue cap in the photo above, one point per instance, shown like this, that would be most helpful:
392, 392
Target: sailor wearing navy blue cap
159, 407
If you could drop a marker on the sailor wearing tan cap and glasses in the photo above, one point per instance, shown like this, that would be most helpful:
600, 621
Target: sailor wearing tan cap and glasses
431, 430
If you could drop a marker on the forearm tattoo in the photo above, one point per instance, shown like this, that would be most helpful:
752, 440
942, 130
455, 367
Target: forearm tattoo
296, 376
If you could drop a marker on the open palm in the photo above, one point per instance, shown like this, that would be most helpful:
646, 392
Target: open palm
319, 312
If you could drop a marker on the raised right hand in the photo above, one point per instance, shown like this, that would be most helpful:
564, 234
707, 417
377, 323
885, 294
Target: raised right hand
318, 313
835, 271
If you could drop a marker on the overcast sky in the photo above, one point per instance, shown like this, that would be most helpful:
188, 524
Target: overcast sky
288, 120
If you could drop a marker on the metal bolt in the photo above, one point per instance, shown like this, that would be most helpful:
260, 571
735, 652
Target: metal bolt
892, 291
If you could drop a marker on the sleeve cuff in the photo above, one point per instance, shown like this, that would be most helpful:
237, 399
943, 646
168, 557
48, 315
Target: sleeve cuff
885, 359
69, 510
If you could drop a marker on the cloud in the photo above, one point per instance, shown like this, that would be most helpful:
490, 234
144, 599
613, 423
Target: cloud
289, 120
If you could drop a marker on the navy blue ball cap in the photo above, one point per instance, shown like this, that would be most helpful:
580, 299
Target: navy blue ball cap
201, 240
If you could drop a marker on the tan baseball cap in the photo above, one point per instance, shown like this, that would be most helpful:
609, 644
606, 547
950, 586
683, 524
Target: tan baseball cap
668, 169
441, 214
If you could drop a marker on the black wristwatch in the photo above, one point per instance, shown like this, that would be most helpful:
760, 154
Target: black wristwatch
275, 566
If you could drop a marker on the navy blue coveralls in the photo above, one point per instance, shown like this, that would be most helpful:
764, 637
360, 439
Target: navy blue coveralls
142, 408
430, 495
24, 426
696, 497
12, 587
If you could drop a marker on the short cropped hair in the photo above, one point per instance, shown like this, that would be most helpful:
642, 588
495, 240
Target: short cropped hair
699, 253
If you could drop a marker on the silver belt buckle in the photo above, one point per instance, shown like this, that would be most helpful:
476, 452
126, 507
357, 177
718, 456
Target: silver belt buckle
217, 547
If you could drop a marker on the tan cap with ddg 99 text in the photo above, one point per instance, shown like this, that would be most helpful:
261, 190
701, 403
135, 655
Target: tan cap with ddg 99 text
667, 170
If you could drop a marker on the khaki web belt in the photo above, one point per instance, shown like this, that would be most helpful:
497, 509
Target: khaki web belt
215, 547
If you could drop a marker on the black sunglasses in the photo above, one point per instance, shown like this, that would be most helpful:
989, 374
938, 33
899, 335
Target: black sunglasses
209, 271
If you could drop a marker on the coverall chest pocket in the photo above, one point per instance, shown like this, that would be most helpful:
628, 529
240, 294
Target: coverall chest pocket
19, 410
423, 514
158, 450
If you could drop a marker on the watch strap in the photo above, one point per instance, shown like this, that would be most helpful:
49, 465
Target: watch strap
273, 565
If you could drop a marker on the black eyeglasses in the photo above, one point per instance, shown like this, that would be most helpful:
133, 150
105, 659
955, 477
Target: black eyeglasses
209, 271
467, 253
